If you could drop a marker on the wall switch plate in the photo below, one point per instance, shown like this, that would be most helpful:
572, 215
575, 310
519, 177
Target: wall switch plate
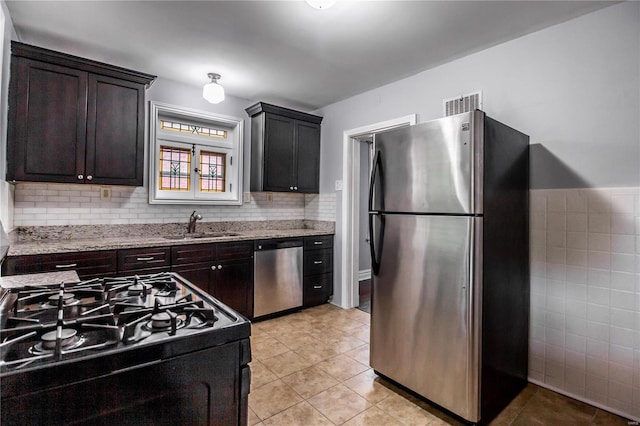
338, 185
246, 197
105, 194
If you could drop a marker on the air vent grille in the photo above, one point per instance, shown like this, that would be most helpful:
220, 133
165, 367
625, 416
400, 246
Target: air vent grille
463, 103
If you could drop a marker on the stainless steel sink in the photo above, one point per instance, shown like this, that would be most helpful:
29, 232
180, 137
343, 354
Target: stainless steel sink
201, 235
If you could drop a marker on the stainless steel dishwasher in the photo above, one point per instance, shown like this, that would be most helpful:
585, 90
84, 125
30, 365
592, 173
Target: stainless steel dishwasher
277, 276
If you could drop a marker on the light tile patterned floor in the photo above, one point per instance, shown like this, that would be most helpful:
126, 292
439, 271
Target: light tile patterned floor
312, 368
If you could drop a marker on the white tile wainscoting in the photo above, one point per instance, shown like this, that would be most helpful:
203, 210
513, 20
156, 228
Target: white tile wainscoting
43, 204
585, 295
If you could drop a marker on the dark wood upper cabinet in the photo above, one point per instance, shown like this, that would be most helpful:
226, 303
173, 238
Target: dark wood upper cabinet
285, 149
74, 120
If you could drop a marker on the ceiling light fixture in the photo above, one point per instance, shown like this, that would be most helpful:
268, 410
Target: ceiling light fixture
321, 4
212, 91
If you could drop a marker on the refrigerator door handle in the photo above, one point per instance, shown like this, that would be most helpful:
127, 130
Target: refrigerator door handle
375, 258
372, 184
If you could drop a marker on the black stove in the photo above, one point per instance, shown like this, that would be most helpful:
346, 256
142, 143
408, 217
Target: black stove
154, 341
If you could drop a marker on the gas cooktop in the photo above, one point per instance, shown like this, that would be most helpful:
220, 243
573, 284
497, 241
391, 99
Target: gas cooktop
147, 349
42, 325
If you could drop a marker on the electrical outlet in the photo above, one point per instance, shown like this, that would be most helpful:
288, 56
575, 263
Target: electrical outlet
105, 194
246, 197
338, 185
269, 196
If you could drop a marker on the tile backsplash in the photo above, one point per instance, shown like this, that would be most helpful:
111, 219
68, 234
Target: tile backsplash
42, 204
585, 295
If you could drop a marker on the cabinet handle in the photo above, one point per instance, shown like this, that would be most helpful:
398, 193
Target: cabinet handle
219, 266
213, 267
89, 177
317, 286
141, 259
317, 262
80, 177
295, 188
317, 243
71, 265
291, 188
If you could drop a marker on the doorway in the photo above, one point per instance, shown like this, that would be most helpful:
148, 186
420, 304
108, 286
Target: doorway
352, 204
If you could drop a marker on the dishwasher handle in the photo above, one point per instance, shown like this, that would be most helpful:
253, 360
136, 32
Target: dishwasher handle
261, 245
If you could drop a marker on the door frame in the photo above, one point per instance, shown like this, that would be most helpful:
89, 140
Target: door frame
351, 204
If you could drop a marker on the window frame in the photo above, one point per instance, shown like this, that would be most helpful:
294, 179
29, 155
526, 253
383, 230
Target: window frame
232, 146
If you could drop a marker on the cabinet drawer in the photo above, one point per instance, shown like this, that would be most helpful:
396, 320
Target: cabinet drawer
132, 259
317, 289
318, 262
235, 250
193, 253
86, 264
319, 242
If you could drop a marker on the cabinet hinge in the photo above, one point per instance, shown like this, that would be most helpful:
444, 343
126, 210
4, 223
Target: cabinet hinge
231, 161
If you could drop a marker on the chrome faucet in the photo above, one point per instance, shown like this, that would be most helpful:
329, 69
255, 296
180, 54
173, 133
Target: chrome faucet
191, 228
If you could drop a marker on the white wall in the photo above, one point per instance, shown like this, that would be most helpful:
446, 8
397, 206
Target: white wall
572, 87
575, 89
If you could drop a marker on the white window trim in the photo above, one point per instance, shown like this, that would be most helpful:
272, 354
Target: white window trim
158, 109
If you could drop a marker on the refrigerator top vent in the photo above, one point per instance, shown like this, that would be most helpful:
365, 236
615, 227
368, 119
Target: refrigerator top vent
462, 103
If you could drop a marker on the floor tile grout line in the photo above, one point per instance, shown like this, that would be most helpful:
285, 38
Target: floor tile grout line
523, 408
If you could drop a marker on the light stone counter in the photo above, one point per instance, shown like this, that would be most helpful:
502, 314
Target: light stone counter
65, 239
13, 281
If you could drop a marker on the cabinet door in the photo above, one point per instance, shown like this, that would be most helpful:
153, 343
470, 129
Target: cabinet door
199, 274
233, 285
115, 131
307, 157
47, 122
278, 153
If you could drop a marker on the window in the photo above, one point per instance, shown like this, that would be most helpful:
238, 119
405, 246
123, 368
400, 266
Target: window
195, 157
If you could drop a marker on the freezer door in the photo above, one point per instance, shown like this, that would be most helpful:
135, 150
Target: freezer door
434, 167
426, 306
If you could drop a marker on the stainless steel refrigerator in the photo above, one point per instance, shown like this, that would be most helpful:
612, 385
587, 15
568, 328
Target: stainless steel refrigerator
448, 215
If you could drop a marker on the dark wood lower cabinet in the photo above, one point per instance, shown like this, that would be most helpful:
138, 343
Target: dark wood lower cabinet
318, 270
198, 274
232, 284
144, 261
224, 270
88, 265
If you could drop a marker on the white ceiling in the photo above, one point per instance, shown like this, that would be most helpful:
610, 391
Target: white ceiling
283, 52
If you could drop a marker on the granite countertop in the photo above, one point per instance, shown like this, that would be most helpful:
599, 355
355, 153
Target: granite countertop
51, 240
14, 281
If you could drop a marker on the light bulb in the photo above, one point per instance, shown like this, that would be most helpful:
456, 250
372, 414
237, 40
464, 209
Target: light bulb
212, 91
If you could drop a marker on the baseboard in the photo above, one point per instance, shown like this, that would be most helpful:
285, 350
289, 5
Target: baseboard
365, 274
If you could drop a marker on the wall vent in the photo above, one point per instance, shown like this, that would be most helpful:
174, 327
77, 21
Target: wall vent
462, 103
